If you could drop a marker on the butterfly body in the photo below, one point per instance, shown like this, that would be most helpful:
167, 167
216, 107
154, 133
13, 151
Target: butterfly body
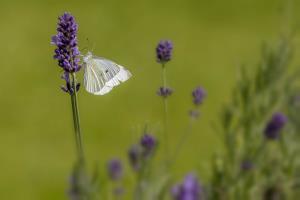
102, 75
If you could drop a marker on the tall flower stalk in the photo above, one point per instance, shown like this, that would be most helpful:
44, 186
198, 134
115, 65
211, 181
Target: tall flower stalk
67, 55
163, 55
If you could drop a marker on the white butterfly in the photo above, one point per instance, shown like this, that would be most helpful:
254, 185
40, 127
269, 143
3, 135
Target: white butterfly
101, 75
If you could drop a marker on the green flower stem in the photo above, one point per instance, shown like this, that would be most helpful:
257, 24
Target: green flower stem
166, 145
183, 139
76, 119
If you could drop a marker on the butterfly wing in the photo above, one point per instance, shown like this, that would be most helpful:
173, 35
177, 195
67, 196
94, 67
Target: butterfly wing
101, 75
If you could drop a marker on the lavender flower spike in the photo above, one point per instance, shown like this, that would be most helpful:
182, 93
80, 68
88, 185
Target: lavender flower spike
115, 169
275, 125
190, 189
198, 94
66, 42
164, 51
66, 51
164, 92
134, 155
148, 142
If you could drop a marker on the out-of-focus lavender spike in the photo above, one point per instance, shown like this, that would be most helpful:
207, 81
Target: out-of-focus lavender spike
164, 51
189, 189
198, 95
134, 155
164, 92
275, 125
246, 165
148, 142
115, 169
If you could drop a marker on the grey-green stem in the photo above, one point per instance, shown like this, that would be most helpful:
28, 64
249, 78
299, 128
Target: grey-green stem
166, 145
76, 119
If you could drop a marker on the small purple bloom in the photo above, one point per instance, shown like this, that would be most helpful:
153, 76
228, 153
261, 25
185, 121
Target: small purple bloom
198, 94
115, 169
148, 142
68, 87
164, 51
78, 183
74, 191
164, 92
189, 189
194, 114
275, 125
246, 165
134, 155
118, 191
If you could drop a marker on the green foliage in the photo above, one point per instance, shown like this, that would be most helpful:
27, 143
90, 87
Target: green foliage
255, 98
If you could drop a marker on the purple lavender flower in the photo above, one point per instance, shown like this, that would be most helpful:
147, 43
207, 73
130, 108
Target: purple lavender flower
190, 189
275, 125
66, 51
164, 92
198, 94
68, 87
79, 182
66, 41
246, 165
134, 155
194, 113
148, 142
115, 169
164, 51
118, 191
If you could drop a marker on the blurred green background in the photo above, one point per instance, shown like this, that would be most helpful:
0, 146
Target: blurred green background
211, 38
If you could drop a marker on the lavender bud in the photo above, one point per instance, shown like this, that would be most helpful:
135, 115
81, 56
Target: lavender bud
118, 191
275, 125
246, 165
190, 189
198, 95
164, 51
134, 155
194, 114
148, 142
79, 184
115, 169
74, 192
164, 92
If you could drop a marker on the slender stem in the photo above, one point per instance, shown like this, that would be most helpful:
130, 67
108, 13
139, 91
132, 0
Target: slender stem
184, 137
76, 119
166, 145
75, 123
139, 188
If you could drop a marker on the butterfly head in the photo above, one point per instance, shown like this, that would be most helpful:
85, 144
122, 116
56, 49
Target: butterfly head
87, 57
